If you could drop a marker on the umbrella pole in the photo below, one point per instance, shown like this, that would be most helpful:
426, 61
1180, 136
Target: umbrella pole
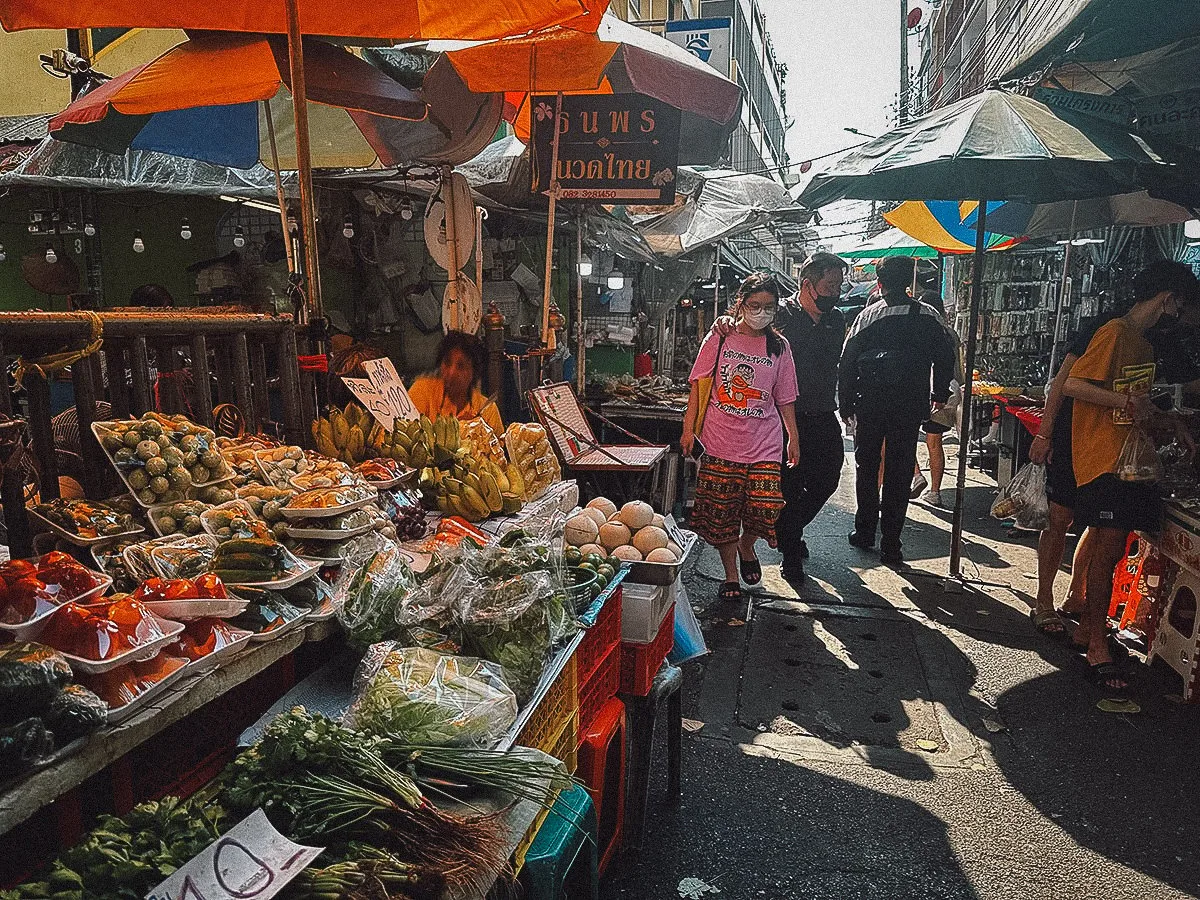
1060, 303
308, 214
964, 443
548, 339
580, 375
283, 216
455, 322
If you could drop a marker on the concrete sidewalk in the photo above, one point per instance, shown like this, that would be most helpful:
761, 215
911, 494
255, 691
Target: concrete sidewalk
876, 736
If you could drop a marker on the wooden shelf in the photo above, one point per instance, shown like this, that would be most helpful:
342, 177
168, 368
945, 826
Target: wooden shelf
23, 798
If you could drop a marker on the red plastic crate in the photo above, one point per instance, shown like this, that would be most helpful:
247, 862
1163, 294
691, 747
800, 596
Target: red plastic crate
602, 769
601, 687
640, 662
600, 638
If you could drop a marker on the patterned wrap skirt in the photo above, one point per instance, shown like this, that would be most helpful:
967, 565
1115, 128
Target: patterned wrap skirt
733, 497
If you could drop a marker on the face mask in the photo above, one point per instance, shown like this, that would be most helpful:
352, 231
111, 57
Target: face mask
759, 320
825, 304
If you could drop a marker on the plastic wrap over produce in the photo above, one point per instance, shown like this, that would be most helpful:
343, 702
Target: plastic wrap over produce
375, 586
428, 698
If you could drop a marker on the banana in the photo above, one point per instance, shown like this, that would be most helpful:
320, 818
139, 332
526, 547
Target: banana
356, 443
491, 493
340, 428
476, 504
516, 481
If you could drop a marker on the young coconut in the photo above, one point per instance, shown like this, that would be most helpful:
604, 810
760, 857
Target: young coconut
614, 535
650, 538
675, 548
588, 549
628, 553
661, 555
605, 505
580, 530
595, 514
659, 521
637, 514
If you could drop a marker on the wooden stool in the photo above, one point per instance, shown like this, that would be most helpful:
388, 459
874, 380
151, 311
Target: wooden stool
642, 714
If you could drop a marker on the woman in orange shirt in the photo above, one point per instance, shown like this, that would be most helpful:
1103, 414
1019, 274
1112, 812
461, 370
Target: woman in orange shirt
455, 388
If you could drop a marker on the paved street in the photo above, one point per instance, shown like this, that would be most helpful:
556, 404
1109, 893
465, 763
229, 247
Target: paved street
879, 737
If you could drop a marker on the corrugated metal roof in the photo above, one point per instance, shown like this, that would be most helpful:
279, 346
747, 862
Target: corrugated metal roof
18, 129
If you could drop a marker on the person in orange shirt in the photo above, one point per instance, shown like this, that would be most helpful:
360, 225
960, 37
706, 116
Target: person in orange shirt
1110, 385
455, 389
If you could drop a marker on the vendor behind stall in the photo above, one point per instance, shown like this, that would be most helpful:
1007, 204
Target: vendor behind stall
455, 389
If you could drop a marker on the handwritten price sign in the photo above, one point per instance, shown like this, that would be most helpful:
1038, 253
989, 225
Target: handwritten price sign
252, 861
382, 393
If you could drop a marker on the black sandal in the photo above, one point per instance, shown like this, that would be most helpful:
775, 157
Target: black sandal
1115, 647
751, 570
1101, 674
730, 590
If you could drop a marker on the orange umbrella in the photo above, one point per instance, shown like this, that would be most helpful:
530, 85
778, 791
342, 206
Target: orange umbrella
411, 19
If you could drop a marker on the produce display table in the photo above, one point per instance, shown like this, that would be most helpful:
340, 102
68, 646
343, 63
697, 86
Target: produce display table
22, 798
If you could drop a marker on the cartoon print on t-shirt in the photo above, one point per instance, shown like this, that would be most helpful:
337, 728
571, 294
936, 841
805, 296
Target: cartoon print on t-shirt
736, 388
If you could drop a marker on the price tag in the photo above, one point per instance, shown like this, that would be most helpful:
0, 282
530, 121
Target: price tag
383, 375
373, 399
252, 861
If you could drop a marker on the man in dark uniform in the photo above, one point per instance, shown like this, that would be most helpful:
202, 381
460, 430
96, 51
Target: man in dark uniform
884, 385
816, 329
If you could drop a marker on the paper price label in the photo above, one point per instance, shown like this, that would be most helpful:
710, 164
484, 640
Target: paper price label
383, 375
252, 861
373, 400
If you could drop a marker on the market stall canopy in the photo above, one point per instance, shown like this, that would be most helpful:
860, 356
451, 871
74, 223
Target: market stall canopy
618, 58
1066, 216
942, 225
1006, 146
714, 204
390, 19
201, 100
892, 242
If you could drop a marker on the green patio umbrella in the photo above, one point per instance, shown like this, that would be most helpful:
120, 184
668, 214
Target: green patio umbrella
892, 242
997, 145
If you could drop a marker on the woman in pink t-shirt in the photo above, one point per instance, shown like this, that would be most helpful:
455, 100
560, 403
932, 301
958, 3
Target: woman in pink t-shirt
738, 496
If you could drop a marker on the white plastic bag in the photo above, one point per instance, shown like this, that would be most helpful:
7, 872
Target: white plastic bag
689, 639
1026, 492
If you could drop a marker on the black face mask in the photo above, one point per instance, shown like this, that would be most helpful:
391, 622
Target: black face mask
825, 304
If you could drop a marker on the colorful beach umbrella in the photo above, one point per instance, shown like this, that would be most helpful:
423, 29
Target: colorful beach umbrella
892, 242
208, 99
940, 224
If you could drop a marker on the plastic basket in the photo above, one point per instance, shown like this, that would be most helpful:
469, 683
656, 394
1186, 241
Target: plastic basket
602, 766
603, 685
640, 662
564, 747
560, 704
600, 638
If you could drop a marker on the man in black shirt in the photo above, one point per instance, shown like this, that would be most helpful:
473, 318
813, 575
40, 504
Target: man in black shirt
816, 329
884, 386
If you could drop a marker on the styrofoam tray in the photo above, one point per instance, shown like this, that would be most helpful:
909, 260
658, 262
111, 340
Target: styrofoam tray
121, 713
187, 609
329, 534
199, 542
241, 506
261, 636
148, 650
25, 631
122, 471
296, 571
218, 657
290, 513
72, 538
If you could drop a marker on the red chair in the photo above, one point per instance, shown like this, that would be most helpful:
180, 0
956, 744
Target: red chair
602, 770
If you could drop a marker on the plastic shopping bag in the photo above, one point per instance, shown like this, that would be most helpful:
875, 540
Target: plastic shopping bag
1027, 490
1139, 460
689, 639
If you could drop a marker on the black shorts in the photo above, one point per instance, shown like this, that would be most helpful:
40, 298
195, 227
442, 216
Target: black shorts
1060, 478
1109, 502
931, 427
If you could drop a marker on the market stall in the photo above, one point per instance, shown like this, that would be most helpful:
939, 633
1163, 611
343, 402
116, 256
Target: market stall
357, 640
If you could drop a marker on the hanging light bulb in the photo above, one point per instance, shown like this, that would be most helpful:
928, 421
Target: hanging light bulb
292, 224
585, 267
139, 246
406, 210
89, 229
347, 228
51, 256
239, 237
3, 254
185, 230
616, 280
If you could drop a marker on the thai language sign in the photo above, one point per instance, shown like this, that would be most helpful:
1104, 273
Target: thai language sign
613, 148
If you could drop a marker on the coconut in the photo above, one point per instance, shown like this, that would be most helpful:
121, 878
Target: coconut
581, 529
637, 514
658, 521
628, 553
596, 515
661, 555
613, 535
604, 505
675, 548
650, 538
588, 549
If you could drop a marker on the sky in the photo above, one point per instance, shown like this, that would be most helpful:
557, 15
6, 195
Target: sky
843, 59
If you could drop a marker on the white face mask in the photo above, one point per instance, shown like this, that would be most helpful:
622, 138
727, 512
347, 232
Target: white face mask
759, 320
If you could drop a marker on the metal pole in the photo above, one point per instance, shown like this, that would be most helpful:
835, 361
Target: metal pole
964, 439
548, 338
579, 343
455, 322
308, 210
1061, 301
283, 216
902, 109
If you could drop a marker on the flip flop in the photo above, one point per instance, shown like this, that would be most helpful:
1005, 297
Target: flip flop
1101, 674
751, 570
730, 590
1048, 623
1115, 647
